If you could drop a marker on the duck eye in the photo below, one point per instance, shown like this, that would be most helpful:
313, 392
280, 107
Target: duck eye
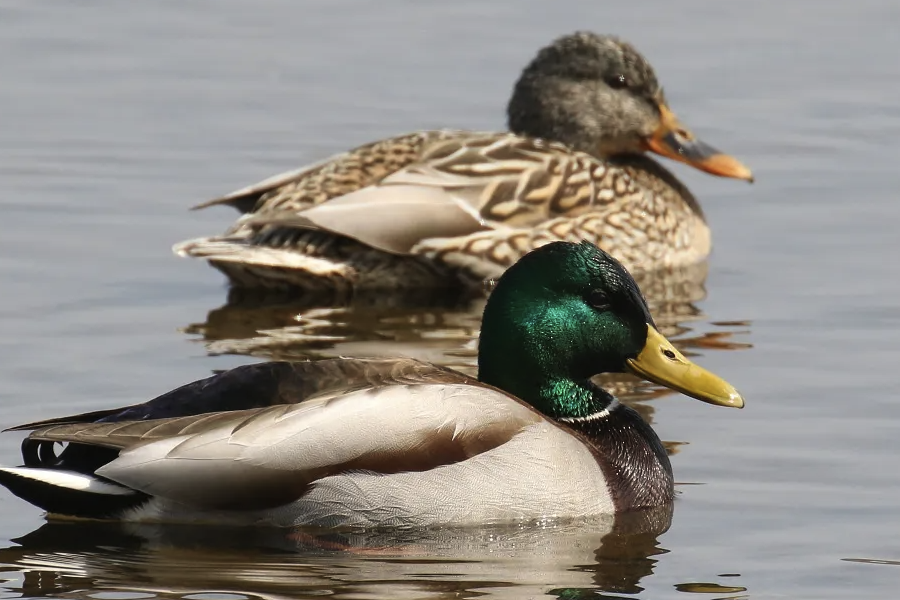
598, 299
617, 82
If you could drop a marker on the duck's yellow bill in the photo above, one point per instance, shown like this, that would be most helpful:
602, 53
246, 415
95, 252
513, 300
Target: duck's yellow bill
661, 363
673, 140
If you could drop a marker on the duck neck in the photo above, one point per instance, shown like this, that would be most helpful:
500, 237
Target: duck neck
569, 399
651, 175
511, 367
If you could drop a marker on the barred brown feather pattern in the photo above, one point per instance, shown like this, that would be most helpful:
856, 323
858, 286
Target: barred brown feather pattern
358, 168
470, 205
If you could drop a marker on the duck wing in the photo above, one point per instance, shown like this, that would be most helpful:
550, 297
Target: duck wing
266, 384
332, 177
460, 186
265, 457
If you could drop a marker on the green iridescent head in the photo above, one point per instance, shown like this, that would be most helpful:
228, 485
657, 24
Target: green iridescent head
566, 312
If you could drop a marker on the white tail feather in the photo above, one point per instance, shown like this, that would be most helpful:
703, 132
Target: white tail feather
223, 250
69, 480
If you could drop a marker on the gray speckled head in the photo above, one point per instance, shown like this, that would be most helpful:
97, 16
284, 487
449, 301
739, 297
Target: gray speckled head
594, 93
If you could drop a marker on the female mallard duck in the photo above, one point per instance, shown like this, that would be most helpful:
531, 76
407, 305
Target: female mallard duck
434, 208
397, 442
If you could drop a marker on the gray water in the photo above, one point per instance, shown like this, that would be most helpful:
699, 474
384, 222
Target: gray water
116, 117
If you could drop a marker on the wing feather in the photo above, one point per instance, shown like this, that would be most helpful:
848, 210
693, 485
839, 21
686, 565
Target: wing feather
460, 186
265, 457
391, 218
265, 384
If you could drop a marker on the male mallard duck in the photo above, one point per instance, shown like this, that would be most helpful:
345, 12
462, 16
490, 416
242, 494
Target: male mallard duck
433, 208
397, 442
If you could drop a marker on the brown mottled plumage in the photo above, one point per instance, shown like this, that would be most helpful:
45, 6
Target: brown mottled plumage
433, 208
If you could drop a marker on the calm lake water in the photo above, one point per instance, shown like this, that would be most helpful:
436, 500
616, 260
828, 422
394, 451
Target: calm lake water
116, 117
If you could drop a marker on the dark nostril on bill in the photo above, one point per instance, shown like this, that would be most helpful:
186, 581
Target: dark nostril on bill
669, 354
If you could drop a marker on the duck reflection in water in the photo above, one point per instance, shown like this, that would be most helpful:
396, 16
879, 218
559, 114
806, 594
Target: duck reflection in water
71, 559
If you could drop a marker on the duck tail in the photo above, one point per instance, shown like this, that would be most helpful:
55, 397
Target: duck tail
249, 265
69, 492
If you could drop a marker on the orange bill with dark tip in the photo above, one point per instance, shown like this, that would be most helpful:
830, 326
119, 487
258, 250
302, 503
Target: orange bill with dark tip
673, 140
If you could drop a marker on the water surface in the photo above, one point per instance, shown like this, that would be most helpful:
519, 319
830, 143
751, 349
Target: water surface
117, 117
